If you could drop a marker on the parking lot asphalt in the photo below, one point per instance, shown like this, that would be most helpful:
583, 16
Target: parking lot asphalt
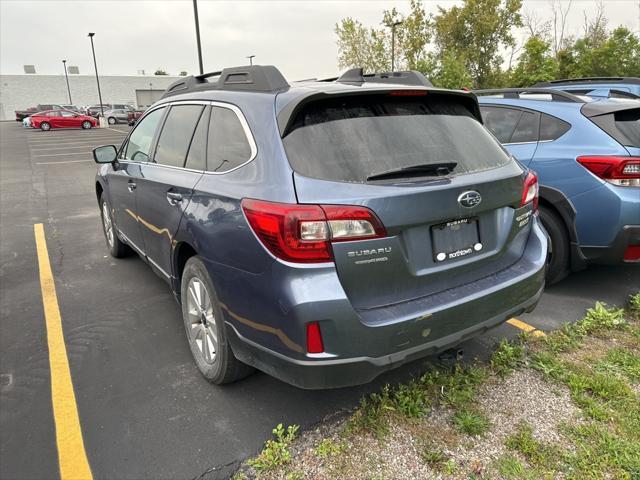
144, 410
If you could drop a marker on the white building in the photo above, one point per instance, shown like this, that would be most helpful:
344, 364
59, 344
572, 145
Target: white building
18, 92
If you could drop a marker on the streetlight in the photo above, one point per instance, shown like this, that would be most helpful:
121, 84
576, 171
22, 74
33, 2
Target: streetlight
64, 63
95, 65
250, 57
195, 14
393, 42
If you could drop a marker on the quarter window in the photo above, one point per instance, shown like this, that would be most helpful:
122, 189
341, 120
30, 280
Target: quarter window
139, 142
228, 146
176, 135
552, 128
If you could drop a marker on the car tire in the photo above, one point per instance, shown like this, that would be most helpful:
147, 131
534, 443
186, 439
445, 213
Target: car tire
86, 125
559, 251
111, 120
117, 248
45, 126
205, 328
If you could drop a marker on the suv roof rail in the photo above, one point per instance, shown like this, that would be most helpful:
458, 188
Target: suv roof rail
407, 77
250, 78
556, 95
587, 80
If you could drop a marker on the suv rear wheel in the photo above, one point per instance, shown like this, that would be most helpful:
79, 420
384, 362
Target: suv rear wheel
204, 325
558, 262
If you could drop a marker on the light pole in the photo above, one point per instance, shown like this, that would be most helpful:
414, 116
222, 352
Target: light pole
250, 57
64, 63
95, 65
393, 43
195, 14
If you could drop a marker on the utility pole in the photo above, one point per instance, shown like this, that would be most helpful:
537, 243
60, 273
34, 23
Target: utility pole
195, 14
393, 43
95, 65
64, 63
250, 57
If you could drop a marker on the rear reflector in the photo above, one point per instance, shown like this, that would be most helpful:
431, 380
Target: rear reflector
623, 171
530, 190
303, 233
314, 338
632, 253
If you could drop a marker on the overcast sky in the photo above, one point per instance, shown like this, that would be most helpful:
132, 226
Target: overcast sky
131, 35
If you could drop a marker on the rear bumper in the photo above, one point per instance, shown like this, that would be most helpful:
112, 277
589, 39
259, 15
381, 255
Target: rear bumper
336, 373
358, 352
614, 253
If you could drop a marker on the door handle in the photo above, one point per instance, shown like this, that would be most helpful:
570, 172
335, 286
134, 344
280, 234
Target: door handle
174, 198
131, 186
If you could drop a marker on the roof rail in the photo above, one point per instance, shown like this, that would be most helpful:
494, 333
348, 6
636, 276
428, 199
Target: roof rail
587, 80
408, 77
556, 95
250, 78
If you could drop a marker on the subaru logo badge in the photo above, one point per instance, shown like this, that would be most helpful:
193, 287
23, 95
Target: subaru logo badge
469, 199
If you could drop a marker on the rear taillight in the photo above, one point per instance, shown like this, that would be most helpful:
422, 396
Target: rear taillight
632, 253
530, 190
303, 233
623, 171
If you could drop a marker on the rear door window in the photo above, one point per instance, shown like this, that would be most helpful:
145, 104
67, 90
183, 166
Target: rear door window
552, 128
352, 138
501, 121
228, 146
527, 129
176, 135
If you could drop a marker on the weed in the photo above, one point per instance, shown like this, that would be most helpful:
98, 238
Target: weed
411, 401
433, 457
536, 453
621, 361
507, 357
294, 475
510, 467
276, 452
471, 422
634, 305
328, 448
450, 467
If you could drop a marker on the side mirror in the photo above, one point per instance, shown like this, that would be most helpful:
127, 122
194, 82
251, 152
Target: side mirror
105, 154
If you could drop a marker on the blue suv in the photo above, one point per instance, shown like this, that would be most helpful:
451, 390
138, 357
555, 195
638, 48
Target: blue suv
586, 153
326, 231
605, 87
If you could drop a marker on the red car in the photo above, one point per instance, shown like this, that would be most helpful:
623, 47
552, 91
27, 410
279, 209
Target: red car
61, 119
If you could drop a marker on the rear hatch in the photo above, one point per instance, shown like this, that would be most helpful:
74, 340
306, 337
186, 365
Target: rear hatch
446, 192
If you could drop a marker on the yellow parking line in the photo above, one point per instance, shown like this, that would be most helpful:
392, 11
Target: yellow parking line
72, 457
526, 327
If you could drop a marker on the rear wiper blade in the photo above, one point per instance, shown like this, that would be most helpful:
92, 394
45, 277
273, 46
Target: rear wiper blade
427, 169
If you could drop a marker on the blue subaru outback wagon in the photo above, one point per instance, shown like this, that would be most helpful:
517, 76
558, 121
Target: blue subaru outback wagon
323, 231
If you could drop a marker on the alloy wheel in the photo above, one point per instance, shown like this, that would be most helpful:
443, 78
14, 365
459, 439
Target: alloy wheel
203, 332
108, 224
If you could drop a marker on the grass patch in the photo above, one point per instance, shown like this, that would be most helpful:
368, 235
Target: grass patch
276, 452
471, 422
535, 452
328, 448
507, 357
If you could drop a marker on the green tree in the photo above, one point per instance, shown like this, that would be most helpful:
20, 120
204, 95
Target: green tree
160, 72
535, 64
370, 48
451, 72
477, 31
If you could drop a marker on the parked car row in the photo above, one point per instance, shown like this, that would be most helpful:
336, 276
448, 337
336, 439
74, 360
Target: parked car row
93, 110
327, 231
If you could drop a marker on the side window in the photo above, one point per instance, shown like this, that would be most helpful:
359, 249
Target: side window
552, 128
67, 114
228, 145
527, 129
176, 135
501, 121
197, 156
139, 142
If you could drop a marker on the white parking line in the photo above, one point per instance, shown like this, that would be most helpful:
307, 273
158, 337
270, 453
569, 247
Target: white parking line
84, 145
67, 139
62, 162
63, 154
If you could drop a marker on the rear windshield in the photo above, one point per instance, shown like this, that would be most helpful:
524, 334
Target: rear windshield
351, 138
623, 125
